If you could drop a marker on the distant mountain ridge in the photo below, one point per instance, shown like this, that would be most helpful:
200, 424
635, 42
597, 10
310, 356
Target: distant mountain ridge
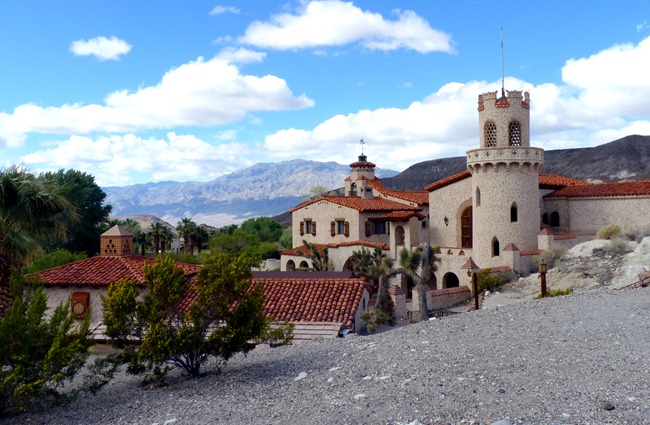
263, 189
272, 189
623, 159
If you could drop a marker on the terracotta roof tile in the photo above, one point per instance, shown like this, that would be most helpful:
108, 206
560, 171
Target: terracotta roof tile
361, 204
102, 271
116, 231
313, 300
447, 181
403, 215
637, 188
419, 197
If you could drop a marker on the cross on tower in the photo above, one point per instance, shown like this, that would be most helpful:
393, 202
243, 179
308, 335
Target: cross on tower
361, 142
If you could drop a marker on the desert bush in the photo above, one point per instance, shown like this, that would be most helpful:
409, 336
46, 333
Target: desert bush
488, 281
552, 256
374, 318
38, 354
555, 293
609, 231
276, 334
225, 314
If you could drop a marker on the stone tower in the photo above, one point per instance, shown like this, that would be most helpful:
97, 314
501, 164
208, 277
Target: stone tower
360, 172
505, 180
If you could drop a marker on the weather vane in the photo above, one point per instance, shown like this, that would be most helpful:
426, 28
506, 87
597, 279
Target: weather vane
503, 68
361, 142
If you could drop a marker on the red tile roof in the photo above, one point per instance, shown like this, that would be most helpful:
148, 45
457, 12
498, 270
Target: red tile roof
402, 215
447, 181
313, 300
362, 164
361, 204
638, 188
102, 271
417, 196
546, 181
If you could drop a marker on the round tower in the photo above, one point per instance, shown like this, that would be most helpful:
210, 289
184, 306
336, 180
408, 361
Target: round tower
505, 179
360, 172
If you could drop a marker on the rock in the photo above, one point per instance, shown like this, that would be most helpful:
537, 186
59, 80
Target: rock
607, 405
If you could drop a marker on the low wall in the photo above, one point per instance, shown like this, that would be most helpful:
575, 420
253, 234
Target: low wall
441, 299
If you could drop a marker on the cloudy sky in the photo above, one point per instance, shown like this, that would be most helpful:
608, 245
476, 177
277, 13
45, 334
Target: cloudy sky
134, 92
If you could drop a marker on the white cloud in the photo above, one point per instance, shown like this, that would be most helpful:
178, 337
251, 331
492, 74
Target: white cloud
199, 93
220, 10
642, 26
604, 97
241, 55
113, 159
101, 47
335, 23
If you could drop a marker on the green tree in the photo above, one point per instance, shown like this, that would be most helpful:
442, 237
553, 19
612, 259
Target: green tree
31, 211
55, 258
186, 229
320, 261
140, 239
225, 315
38, 355
155, 236
419, 265
236, 243
265, 229
201, 237
286, 239
88, 200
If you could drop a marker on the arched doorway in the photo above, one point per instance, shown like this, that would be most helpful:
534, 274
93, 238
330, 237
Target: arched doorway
291, 266
466, 228
450, 280
304, 266
399, 236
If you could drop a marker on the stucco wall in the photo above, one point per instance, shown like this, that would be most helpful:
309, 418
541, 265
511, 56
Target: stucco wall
61, 294
446, 202
587, 215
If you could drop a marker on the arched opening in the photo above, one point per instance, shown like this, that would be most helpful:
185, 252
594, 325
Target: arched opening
478, 196
496, 249
433, 282
450, 280
353, 189
407, 284
513, 212
555, 219
490, 135
545, 218
514, 133
291, 265
304, 265
466, 228
348, 265
399, 236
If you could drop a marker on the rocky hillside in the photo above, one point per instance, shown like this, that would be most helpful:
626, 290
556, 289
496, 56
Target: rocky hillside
261, 190
623, 159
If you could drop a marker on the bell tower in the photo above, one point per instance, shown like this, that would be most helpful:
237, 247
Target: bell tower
505, 178
360, 172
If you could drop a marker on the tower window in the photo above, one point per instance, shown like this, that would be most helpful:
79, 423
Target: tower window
513, 213
490, 135
555, 219
545, 218
478, 197
495, 247
514, 133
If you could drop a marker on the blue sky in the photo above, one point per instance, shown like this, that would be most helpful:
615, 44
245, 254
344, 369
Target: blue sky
133, 92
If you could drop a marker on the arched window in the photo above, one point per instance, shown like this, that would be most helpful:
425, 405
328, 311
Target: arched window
399, 235
291, 266
495, 247
353, 189
513, 212
514, 133
490, 135
555, 219
545, 218
478, 196
466, 228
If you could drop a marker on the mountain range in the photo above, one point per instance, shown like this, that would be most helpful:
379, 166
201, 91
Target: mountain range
272, 188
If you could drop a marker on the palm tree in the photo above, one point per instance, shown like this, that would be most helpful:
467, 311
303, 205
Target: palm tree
31, 210
155, 235
410, 262
319, 262
166, 238
201, 237
186, 229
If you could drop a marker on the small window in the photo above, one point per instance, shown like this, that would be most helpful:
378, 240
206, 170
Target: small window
340, 227
378, 227
514, 133
545, 218
495, 247
490, 135
555, 219
478, 196
308, 226
513, 213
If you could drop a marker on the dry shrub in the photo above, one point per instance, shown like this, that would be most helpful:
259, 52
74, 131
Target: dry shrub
609, 231
552, 256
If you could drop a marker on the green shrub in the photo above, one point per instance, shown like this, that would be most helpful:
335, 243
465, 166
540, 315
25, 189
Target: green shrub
225, 315
609, 231
374, 318
38, 354
555, 293
552, 255
488, 281
55, 258
276, 334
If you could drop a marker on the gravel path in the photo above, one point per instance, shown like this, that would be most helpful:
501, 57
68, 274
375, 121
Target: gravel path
579, 359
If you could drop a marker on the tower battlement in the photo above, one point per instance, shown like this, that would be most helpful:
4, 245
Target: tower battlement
513, 97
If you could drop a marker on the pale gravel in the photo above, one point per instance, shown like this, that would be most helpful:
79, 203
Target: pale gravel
553, 361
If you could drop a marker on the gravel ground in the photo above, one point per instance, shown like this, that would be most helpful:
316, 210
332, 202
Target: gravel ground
579, 359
